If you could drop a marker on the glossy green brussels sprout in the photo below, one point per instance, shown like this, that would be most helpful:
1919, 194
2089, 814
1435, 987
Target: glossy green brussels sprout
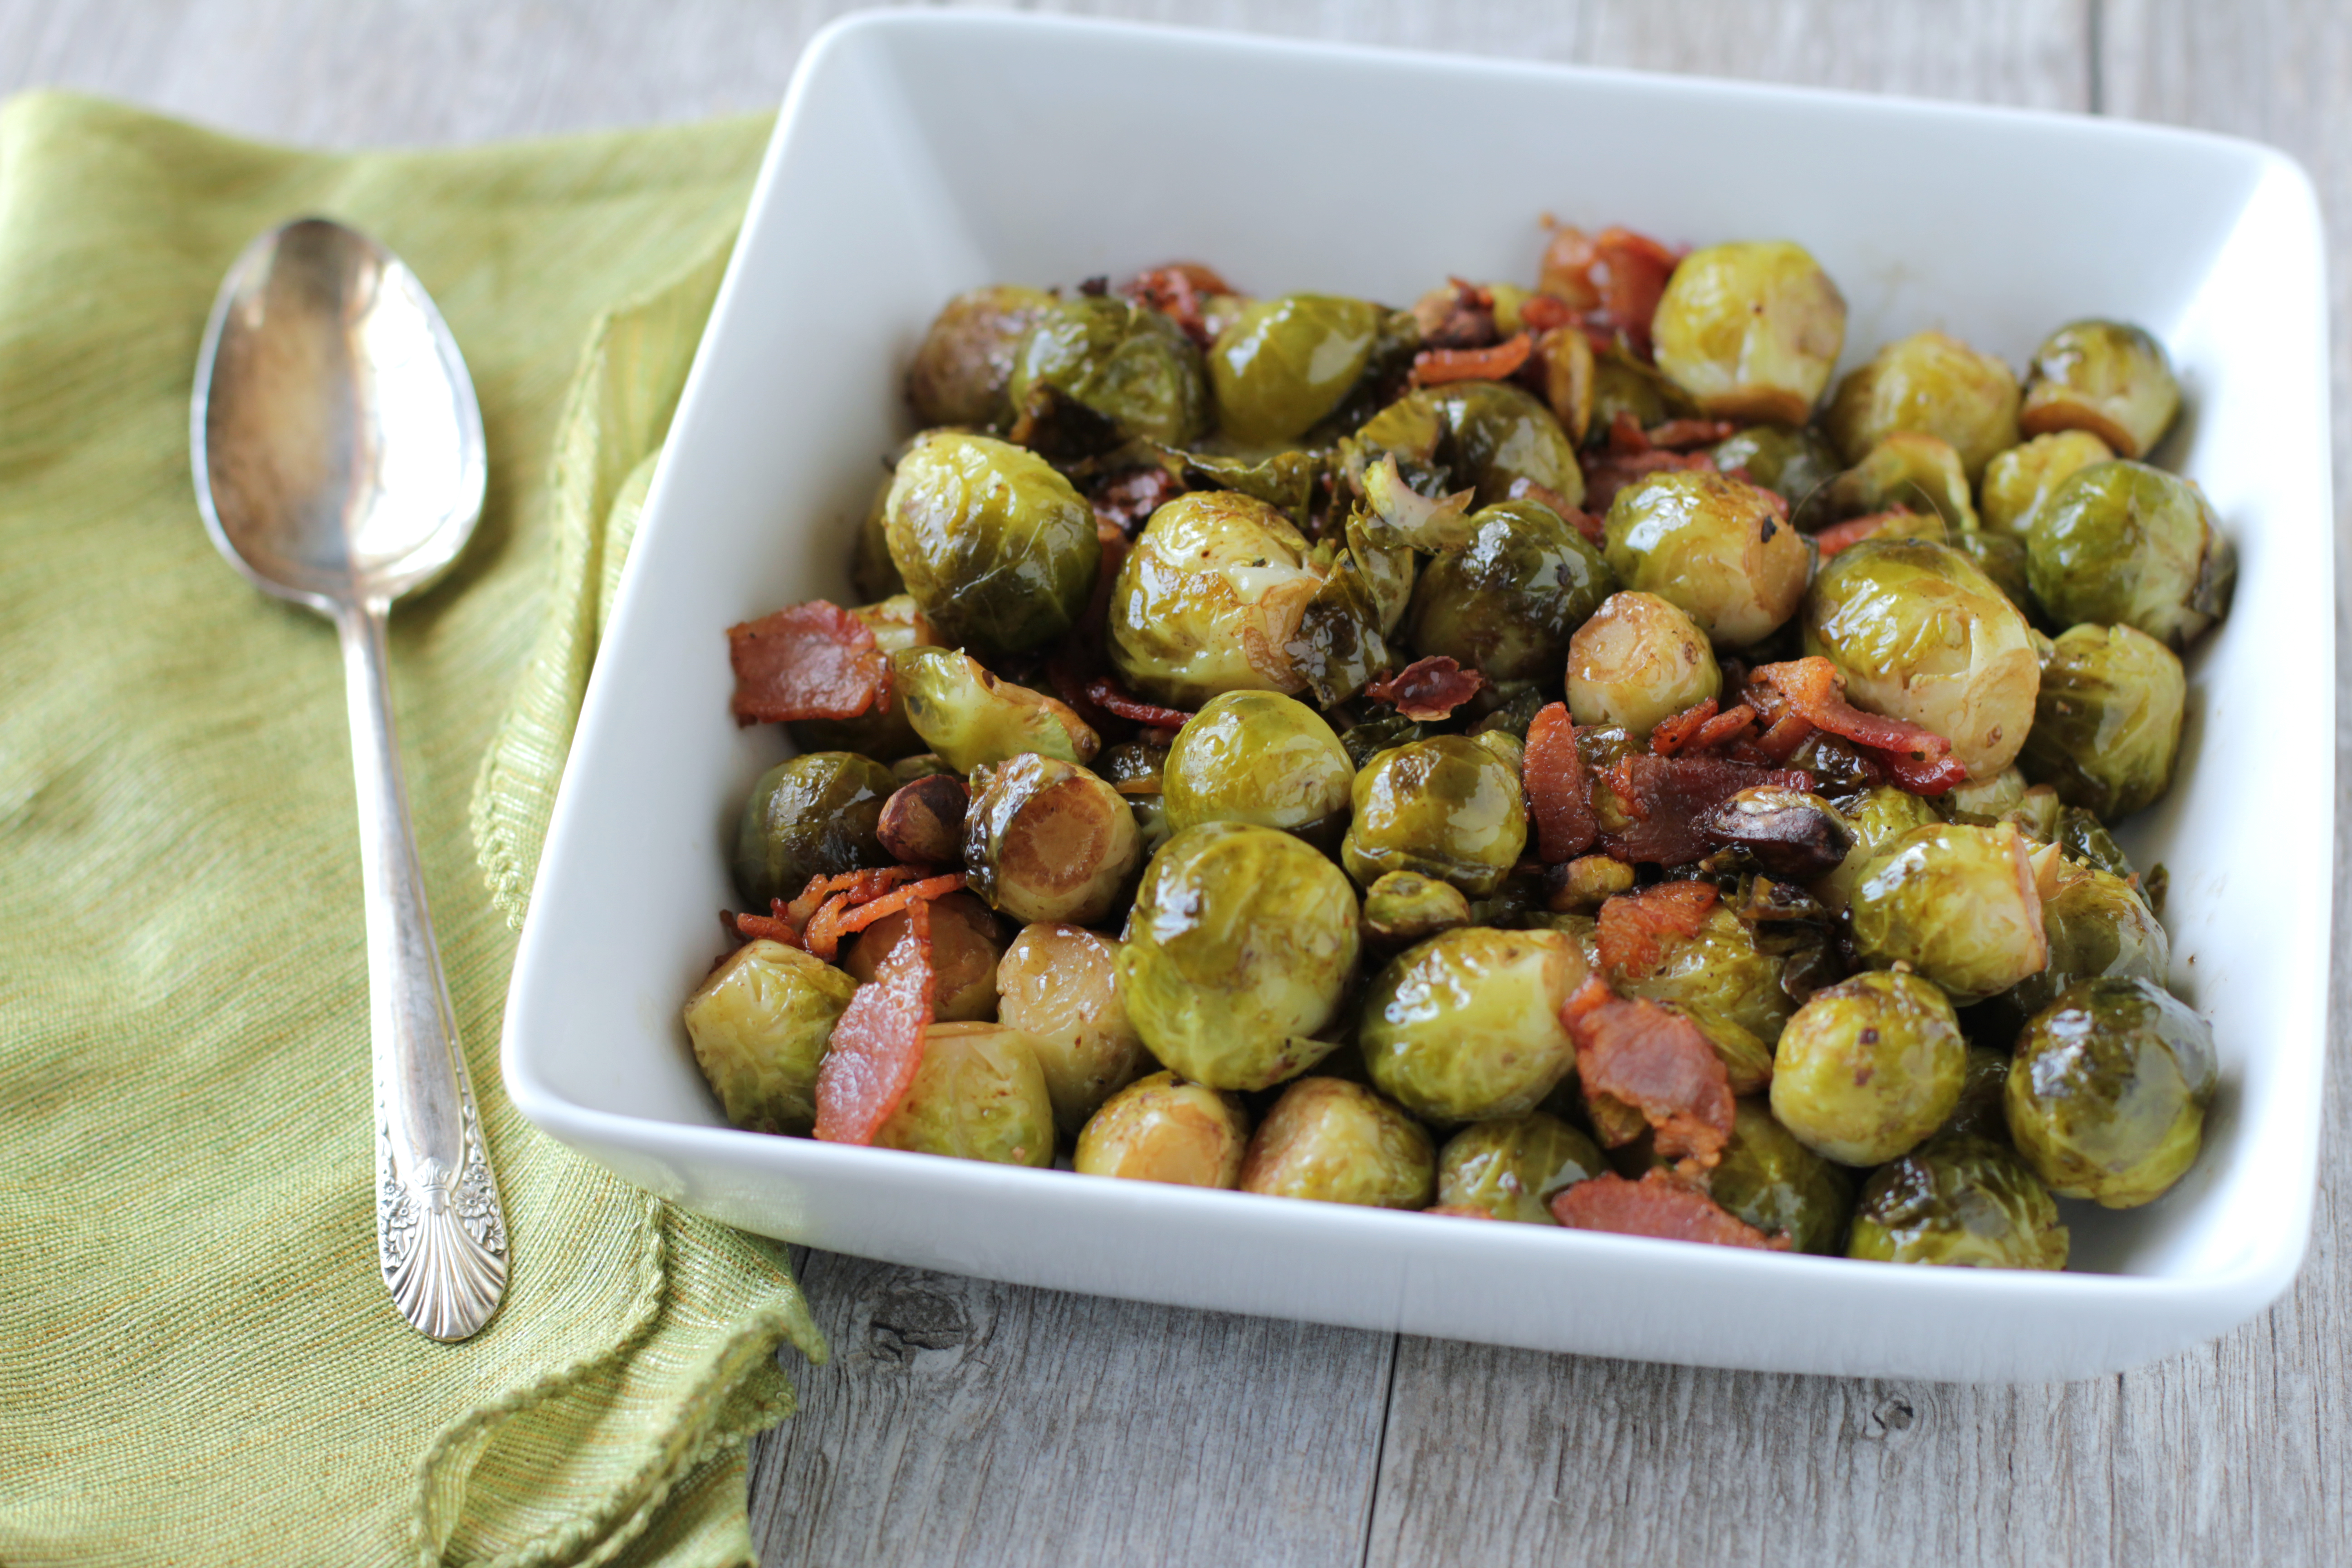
1791, 461
966, 943
1126, 362
1445, 807
810, 816
760, 1026
1719, 550
2098, 926
1960, 1202
964, 364
2017, 482
1879, 817
2104, 377
1241, 946
1751, 330
1923, 635
1769, 1179
995, 545
1259, 757
1489, 435
1059, 985
871, 570
1404, 907
1915, 472
1507, 604
1958, 903
1285, 363
970, 718
1466, 1025
1718, 976
1869, 1067
1338, 1142
1161, 1129
1932, 383
1983, 1111
979, 1095
1209, 598
2108, 1095
885, 736
1511, 1166
1046, 840
1639, 660
2107, 725
2125, 544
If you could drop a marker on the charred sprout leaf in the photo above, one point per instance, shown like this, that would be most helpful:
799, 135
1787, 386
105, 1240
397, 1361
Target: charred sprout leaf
2106, 1098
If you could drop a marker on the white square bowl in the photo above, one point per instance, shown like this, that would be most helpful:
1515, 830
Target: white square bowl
918, 155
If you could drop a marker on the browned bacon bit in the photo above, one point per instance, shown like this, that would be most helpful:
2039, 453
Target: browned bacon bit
1105, 693
1672, 734
1129, 497
1679, 434
1844, 535
1559, 796
1542, 312
1816, 689
806, 662
1428, 690
823, 937
764, 927
1724, 728
1615, 277
1667, 796
1630, 924
859, 886
877, 1046
1660, 1205
1464, 320
1626, 437
1432, 367
1656, 1060
1924, 775
891, 903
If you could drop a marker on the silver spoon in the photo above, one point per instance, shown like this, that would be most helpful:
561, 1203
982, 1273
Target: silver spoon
339, 463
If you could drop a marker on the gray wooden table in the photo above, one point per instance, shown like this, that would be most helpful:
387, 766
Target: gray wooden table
969, 1422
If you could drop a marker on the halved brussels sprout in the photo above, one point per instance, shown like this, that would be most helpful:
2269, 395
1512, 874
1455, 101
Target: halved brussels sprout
1769, 1179
1933, 384
2106, 724
1960, 1202
966, 942
1720, 550
1488, 435
810, 816
1869, 1067
996, 547
1446, 807
1510, 1167
1241, 946
970, 718
964, 364
2108, 1096
760, 1026
1568, 376
1129, 363
2125, 544
1257, 757
2018, 481
1958, 903
1638, 661
1161, 1129
1467, 1025
1284, 363
1046, 840
1879, 817
1507, 604
979, 1095
1791, 462
1751, 330
2108, 378
1338, 1142
2098, 928
1059, 985
1209, 598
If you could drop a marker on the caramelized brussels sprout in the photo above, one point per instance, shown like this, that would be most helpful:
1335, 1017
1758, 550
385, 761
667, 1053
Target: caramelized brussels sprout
1962, 1203
1869, 1067
979, 1095
2108, 1096
1637, 661
922, 822
1468, 1024
1285, 363
1208, 599
1791, 462
1719, 550
1511, 1166
1880, 816
1774, 1182
2107, 725
1489, 435
1241, 946
760, 1026
810, 816
995, 545
1445, 807
1161, 1129
2018, 481
970, 718
1257, 757
2104, 377
2125, 544
1932, 383
1983, 1111
1059, 985
1338, 1142
1568, 376
964, 364
1404, 907
1046, 840
1129, 363
966, 942
1718, 976
1751, 330
1958, 903
1507, 604
2098, 928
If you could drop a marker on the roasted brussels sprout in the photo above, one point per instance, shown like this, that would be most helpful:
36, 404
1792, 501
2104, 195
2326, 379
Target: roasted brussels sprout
1957, 903
2083, 839
1751, 330
1046, 840
1445, 807
965, 713
1059, 985
1910, 470
1769, 1179
760, 1024
962, 369
1507, 604
1285, 363
1720, 550
2125, 544
1637, 661
1240, 948
1639, 391
2107, 725
922, 822
2104, 377
1923, 635
1960, 1201
1511, 1166
2098, 928
1880, 816
1791, 462
2017, 482
1932, 383
1718, 976
1869, 1067
1257, 757
1568, 376
1489, 435
1338, 1142
1161, 1129
1129, 363
810, 816
1404, 907
1983, 1111
995, 545
979, 1095
966, 942
1208, 599
2108, 1096
1467, 1025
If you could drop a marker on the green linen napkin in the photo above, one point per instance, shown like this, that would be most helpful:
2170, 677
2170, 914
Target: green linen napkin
198, 1363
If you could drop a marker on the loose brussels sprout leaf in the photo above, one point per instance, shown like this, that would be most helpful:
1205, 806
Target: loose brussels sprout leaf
1338, 646
962, 367
1046, 840
1400, 515
1338, 1142
1959, 904
1370, 737
1161, 1129
966, 943
979, 1095
760, 1024
1751, 330
1770, 1180
2018, 481
1466, 1025
997, 548
1129, 363
964, 712
1446, 807
1960, 1202
1720, 550
1284, 363
1638, 661
2125, 544
1507, 603
1059, 985
1256, 757
1791, 462
2107, 378
1512, 1167
810, 816
2084, 840
1932, 383
1869, 1067
2107, 1094
2106, 724
1285, 481
1209, 599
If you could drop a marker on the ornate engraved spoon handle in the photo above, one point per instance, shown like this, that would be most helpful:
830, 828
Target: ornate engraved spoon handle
441, 1236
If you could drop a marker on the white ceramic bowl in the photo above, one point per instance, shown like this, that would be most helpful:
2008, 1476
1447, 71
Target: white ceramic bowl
919, 155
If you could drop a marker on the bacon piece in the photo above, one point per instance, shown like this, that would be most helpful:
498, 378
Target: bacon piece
1656, 1060
1464, 321
877, 1046
898, 899
795, 917
1725, 728
806, 662
1615, 277
764, 927
1660, 1205
1176, 292
1108, 695
1559, 796
1667, 796
1428, 690
823, 937
1672, 734
1542, 312
1924, 776
1432, 367
1844, 535
1679, 434
1816, 689
1632, 923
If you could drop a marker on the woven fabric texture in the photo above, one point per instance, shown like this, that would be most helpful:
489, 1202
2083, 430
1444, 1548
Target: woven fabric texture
198, 1361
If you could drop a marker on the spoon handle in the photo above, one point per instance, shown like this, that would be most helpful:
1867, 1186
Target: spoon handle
441, 1236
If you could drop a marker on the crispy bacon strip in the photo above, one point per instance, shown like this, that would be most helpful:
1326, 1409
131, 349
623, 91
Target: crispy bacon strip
823, 937
1672, 734
1844, 535
1559, 796
1816, 689
1176, 292
1632, 923
1106, 694
1614, 278
1667, 796
1660, 1205
789, 922
877, 1046
1432, 367
1542, 312
851, 920
1428, 690
1656, 1061
764, 927
806, 662
1724, 728
1924, 776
